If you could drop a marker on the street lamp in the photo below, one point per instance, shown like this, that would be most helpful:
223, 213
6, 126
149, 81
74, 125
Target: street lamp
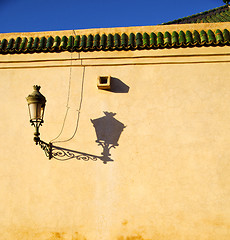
108, 131
36, 104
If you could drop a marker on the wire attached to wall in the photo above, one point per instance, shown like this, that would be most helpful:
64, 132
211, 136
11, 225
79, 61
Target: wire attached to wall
67, 102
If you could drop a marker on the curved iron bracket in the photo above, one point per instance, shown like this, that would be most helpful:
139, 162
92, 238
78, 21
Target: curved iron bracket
63, 154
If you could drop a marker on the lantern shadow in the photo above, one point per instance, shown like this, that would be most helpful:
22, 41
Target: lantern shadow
108, 131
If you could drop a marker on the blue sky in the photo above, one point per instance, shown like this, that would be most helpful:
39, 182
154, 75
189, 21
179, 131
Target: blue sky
51, 15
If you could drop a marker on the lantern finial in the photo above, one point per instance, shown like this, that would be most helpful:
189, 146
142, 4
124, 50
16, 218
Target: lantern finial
36, 87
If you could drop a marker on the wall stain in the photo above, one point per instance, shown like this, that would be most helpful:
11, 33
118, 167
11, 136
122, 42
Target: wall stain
136, 237
78, 236
57, 236
32, 234
60, 236
125, 222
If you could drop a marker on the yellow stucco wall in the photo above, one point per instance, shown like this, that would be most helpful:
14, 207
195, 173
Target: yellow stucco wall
170, 176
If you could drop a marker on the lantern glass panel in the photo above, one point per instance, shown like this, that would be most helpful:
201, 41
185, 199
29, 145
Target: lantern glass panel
36, 111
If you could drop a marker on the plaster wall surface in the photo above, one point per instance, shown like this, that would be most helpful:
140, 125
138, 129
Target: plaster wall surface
170, 176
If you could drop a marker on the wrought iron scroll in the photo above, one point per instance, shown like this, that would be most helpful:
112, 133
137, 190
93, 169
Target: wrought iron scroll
63, 154
47, 148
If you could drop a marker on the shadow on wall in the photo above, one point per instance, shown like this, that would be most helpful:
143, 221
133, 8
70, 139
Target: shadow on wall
108, 131
117, 86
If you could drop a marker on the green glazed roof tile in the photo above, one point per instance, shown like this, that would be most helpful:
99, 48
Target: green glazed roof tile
124, 40
196, 37
189, 38
211, 36
77, 42
70, 42
103, 41
89, 41
220, 14
153, 39
29, 44
3, 44
17, 43
116, 41
23, 44
160, 39
182, 39
209, 20
175, 38
146, 39
64, 41
224, 17
56, 43
139, 41
42, 43
83, 42
110, 41
226, 35
167, 38
96, 42
10, 44
219, 36
35, 43
132, 40
49, 43
203, 36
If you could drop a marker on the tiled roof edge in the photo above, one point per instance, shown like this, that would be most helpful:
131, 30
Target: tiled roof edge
204, 14
110, 42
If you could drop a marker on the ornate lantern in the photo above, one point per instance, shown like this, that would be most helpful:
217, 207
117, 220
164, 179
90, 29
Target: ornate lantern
36, 103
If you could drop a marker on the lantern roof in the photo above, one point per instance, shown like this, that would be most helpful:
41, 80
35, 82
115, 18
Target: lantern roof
36, 96
108, 129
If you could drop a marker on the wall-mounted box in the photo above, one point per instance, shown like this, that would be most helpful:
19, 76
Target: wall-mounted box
104, 82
